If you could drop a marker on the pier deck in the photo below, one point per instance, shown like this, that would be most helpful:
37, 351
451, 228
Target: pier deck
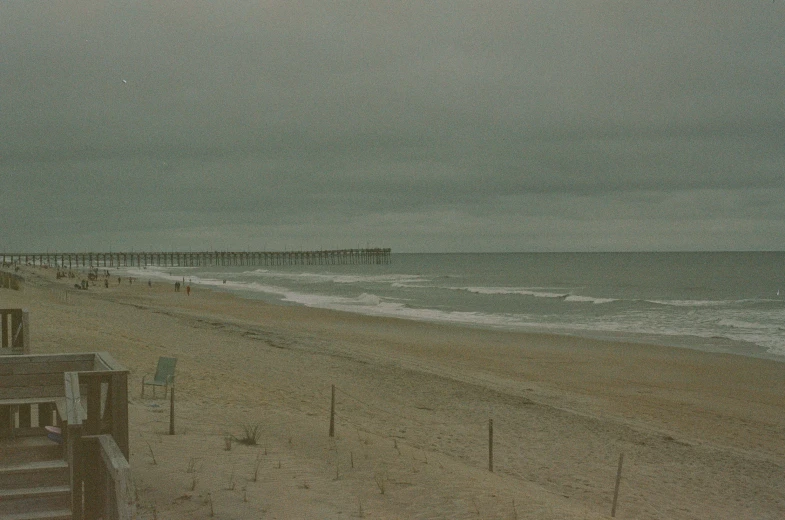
199, 259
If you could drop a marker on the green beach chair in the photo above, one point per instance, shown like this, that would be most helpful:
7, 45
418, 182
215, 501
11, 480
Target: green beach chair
164, 375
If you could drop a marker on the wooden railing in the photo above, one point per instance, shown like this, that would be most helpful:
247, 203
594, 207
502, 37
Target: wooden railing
15, 331
96, 437
109, 490
10, 281
90, 393
30, 382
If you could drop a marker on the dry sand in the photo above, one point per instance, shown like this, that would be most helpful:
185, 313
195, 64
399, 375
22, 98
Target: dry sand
703, 435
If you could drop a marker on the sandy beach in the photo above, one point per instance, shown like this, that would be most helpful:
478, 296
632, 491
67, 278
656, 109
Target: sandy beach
703, 435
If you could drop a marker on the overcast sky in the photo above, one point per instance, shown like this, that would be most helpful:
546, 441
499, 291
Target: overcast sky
423, 125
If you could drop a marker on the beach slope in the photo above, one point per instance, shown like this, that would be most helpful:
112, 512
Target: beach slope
703, 435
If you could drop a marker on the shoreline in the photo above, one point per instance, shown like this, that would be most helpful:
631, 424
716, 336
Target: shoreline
709, 344
701, 432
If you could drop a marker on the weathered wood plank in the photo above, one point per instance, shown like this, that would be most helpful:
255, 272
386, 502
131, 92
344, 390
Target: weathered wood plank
24, 343
43, 358
31, 400
119, 409
75, 463
36, 363
73, 399
30, 391
105, 361
38, 367
120, 471
29, 380
104, 375
93, 422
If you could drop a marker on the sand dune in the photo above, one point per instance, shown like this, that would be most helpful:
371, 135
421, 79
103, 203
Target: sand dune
703, 434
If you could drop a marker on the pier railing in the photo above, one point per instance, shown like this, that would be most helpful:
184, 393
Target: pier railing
200, 259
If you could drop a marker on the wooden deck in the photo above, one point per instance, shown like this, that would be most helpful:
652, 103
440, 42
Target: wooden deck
86, 396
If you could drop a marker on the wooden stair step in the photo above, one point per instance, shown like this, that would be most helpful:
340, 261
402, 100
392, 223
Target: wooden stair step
27, 449
27, 474
44, 498
54, 514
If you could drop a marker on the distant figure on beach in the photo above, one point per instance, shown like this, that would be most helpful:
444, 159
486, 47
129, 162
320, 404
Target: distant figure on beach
106, 283
149, 283
188, 290
176, 286
119, 280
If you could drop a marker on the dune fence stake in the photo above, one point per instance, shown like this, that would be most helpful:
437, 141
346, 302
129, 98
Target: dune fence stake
171, 411
490, 445
616, 490
332, 413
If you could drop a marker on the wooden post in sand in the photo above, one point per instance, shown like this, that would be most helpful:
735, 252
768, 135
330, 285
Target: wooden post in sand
171, 411
616, 490
490, 445
332, 413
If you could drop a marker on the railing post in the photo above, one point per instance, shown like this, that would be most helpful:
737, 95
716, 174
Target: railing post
119, 393
93, 422
75, 463
94, 479
4, 316
20, 336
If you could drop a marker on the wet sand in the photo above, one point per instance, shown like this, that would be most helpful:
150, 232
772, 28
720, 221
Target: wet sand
703, 435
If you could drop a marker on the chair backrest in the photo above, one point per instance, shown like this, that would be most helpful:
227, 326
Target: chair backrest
165, 370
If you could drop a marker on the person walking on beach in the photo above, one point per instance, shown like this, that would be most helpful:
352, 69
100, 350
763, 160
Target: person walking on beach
176, 286
188, 290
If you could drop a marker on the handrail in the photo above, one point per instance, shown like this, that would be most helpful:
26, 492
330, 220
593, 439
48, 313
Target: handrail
113, 484
101, 484
73, 438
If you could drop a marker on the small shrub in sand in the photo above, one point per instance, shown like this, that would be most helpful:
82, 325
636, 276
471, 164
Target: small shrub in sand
251, 434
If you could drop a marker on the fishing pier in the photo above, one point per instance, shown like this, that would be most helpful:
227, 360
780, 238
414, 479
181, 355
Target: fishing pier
200, 259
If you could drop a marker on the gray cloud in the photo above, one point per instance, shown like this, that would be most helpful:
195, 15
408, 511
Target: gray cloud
425, 126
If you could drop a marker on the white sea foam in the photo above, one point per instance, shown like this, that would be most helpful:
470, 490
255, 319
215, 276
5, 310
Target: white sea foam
690, 303
511, 290
537, 293
741, 324
589, 299
336, 278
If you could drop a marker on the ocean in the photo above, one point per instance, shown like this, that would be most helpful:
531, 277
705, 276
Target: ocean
730, 302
